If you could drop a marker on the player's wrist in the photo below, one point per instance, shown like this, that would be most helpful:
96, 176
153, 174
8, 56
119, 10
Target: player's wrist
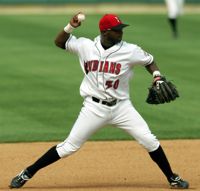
68, 28
157, 77
156, 74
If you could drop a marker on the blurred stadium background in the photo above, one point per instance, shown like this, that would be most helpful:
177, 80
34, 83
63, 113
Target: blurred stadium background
91, 6
88, 1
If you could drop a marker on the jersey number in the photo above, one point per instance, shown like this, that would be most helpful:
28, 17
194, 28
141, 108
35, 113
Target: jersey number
113, 84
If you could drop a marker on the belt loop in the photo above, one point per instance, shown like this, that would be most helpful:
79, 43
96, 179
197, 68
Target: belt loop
96, 99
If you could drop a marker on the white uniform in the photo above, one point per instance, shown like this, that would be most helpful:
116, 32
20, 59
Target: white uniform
107, 74
174, 7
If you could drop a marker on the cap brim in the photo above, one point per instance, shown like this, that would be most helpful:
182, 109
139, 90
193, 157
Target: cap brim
119, 27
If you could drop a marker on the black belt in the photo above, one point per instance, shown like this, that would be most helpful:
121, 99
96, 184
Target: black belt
111, 103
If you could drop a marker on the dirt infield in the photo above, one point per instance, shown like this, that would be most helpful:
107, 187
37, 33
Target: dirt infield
99, 166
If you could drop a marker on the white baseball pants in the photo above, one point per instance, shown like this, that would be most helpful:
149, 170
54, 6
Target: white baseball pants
174, 7
94, 116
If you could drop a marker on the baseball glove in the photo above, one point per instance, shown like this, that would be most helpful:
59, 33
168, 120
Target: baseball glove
161, 91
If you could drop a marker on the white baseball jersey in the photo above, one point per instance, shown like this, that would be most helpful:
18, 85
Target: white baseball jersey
107, 72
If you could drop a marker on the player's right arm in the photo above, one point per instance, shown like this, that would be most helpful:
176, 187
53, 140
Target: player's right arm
61, 39
64, 35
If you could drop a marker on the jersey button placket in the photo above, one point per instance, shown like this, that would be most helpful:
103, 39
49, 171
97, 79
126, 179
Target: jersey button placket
100, 74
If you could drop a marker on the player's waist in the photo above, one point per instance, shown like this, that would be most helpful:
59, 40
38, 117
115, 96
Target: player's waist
105, 102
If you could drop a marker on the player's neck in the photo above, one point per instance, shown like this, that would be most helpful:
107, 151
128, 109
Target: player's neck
105, 47
106, 44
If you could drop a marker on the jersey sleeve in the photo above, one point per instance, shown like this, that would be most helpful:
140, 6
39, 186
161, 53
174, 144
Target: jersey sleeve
75, 45
71, 44
141, 57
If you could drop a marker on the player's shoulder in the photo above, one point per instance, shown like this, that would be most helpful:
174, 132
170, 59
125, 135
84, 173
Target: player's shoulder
130, 46
80, 40
84, 40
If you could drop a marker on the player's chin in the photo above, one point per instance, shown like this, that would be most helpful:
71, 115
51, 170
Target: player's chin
118, 40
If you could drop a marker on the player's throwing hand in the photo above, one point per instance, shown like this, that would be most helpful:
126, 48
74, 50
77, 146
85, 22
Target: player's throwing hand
77, 19
74, 23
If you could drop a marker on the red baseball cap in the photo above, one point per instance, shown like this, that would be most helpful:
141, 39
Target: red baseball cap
111, 21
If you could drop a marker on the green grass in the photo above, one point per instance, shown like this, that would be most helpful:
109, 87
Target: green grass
39, 83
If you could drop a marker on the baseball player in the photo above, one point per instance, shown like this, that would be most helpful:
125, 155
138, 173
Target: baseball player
107, 63
174, 8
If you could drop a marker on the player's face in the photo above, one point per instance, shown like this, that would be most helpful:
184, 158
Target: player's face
114, 36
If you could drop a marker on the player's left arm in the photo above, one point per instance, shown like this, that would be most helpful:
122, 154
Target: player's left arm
151, 68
